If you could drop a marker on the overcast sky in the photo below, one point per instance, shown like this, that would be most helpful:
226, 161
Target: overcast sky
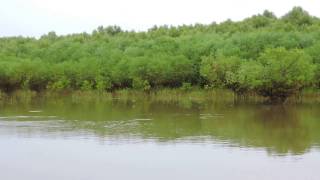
37, 17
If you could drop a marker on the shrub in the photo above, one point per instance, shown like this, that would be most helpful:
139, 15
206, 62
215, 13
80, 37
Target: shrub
220, 71
186, 86
285, 72
103, 84
61, 84
141, 84
86, 85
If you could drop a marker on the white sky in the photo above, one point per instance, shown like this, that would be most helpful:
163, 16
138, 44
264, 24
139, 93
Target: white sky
37, 17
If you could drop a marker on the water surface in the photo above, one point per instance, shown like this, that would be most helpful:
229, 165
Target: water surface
65, 139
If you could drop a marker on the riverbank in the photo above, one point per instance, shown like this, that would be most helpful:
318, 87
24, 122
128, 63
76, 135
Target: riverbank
195, 95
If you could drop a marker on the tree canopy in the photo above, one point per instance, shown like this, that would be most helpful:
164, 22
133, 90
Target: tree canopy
272, 56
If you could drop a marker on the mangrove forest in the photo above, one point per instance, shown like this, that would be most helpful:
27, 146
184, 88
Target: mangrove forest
271, 56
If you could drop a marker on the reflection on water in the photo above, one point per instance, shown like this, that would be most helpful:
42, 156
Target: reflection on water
279, 130
146, 139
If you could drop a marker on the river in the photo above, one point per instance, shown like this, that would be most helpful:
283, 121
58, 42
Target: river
63, 139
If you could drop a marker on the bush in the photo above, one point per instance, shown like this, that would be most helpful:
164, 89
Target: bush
61, 84
285, 72
140, 84
220, 71
103, 84
186, 87
277, 74
86, 85
249, 77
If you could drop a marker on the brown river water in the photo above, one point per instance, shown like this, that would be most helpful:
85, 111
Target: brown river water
59, 139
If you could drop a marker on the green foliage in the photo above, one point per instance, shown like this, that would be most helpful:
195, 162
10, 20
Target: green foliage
261, 54
220, 71
298, 16
141, 84
59, 85
284, 72
103, 84
277, 73
186, 87
249, 76
86, 85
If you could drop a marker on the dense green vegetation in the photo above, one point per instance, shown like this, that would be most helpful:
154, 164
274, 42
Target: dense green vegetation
270, 56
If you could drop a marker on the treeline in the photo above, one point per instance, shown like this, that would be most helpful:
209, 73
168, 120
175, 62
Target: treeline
274, 57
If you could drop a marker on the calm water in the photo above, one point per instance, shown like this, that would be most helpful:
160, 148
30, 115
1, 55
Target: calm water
62, 139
